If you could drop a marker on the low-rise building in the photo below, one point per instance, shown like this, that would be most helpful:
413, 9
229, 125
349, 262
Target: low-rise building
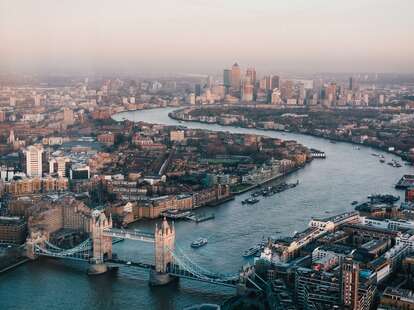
107, 138
13, 230
397, 298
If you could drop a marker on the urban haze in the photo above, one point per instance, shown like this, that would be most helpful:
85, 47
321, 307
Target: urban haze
194, 154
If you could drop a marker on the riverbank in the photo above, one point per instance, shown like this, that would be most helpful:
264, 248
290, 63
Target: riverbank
173, 115
274, 178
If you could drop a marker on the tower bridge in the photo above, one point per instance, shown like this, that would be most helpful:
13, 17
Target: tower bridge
170, 262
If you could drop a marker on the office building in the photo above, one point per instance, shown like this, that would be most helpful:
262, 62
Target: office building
235, 77
34, 160
59, 165
251, 75
276, 97
247, 92
227, 78
275, 82
316, 290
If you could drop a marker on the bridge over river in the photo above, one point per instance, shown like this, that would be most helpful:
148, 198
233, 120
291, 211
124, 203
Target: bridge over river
170, 262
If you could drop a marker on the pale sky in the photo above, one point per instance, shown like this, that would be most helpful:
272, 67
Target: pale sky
204, 36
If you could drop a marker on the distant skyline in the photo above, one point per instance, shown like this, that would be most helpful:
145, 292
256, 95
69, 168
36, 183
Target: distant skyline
205, 36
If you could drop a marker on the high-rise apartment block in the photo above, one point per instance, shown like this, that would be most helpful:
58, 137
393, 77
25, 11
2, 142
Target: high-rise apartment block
34, 160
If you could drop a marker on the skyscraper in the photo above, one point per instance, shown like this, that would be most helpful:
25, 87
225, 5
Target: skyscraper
286, 90
227, 77
302, 91
197, 90
210, 81
235, 77
275, 82
34, 160
251, 75
247, 91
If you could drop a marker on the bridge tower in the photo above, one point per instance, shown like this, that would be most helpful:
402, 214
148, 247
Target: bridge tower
35, 238
164, 244
102, 245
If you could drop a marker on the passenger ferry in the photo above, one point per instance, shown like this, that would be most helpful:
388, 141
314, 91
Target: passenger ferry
199, 243
250, 201
175, 214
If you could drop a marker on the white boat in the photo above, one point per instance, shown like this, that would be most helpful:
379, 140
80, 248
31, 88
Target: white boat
199, 243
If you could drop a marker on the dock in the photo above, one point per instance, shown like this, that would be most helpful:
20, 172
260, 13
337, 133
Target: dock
405, 182
317, 154
201, 217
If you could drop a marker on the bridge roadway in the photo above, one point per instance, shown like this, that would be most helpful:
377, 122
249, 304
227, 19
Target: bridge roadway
130, 263
129, 234
176, 272
182, 273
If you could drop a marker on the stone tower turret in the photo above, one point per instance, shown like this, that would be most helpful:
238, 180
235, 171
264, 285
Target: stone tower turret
164, 244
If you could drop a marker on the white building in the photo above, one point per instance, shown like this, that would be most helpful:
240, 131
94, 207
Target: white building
406, 239
191, 99
34, 160
276, 97
58, 165
388, 224
331, 223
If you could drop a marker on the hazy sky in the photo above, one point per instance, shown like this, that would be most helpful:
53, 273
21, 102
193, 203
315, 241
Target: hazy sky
203, 36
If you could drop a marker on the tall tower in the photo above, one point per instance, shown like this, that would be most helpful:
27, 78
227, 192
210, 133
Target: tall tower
227, 78
251, 75
102, 245
247, 94
349, 283
34, 160
235, 77
275, 82
164, 244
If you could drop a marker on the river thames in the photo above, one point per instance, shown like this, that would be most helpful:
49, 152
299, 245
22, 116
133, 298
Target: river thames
326, 187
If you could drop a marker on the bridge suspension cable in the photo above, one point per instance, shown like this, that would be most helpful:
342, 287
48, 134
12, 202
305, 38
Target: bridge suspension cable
81, 252
184, 263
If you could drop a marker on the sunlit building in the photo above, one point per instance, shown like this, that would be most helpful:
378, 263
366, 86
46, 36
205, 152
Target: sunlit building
34, 160
235, 77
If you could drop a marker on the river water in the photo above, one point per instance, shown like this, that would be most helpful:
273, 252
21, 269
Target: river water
326, 187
